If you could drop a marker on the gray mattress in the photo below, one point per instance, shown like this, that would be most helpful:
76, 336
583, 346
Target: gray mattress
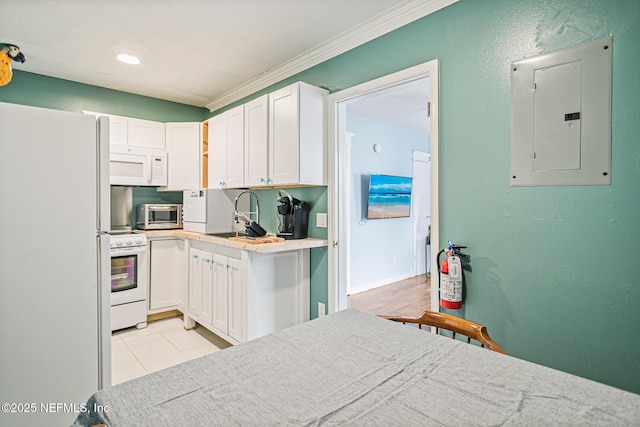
353, 368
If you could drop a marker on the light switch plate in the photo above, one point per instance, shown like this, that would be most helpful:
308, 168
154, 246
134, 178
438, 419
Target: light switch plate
321, 220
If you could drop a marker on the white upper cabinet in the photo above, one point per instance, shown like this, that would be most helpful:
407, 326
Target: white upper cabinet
297, 135
145, 133
183, 153
118, 130
226, 149
285, 140
235, 147
217, 151
285, 137
256, 137
129, 132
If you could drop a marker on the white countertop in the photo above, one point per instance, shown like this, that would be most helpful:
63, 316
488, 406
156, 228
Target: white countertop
287, 245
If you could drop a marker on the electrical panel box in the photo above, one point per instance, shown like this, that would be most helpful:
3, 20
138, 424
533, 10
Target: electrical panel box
561, 117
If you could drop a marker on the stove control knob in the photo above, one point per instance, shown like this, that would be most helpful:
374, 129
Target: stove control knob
139, 241
129, 242
119, 243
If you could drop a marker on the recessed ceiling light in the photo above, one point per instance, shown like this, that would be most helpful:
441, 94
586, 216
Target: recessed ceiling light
128, 59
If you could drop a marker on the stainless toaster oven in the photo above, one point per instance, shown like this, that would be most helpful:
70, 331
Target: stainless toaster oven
159, 216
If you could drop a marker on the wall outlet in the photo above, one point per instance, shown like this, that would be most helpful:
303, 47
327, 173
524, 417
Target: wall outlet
321, 311
321, 220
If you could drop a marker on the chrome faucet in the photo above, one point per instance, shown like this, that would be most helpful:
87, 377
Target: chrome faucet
245, 216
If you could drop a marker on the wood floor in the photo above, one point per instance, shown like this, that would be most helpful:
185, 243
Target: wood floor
409, 297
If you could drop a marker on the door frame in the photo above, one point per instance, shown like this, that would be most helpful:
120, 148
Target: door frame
417, 199
339, 174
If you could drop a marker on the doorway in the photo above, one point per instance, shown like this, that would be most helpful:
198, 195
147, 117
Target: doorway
340, 191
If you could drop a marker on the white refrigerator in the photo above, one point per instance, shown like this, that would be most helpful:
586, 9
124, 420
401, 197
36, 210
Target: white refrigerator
55, 335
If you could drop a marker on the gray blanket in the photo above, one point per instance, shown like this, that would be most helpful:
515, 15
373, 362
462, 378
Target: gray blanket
353, 368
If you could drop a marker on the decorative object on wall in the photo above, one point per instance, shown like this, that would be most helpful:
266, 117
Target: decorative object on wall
377, 148
389, 196
8, 52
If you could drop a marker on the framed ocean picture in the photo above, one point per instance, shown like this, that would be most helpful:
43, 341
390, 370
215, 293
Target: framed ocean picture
389, 196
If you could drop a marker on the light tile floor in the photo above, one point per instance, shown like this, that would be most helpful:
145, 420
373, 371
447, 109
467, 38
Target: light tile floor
163, 343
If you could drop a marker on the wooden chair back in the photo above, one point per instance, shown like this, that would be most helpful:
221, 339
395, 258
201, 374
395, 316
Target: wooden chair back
455, 325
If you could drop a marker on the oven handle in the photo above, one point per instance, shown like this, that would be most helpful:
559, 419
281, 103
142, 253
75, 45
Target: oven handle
128, 251
163, 208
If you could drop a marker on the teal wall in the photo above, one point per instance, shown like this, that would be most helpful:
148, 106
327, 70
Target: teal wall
554, 271
48, 92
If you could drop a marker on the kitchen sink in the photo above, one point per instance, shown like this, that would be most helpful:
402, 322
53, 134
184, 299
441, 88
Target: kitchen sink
228, 234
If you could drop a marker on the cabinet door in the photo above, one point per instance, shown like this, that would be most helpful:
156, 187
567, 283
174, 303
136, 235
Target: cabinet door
256, 137
234, 286
284, 135
166, 272
217, 151
117, 130
278, 292
208, 281
145, 133
195, 282
182, 274
235, 147
220, 293
183, 152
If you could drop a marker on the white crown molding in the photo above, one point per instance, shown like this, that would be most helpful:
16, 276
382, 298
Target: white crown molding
386, 22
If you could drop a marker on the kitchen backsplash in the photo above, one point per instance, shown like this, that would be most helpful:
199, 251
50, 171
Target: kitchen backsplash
316, 197
152, 195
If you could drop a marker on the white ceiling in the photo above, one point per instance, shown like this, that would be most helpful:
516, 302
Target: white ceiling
197, 52
403, 106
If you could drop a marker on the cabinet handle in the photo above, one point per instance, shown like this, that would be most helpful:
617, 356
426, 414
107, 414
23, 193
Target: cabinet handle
261, 179
195, 256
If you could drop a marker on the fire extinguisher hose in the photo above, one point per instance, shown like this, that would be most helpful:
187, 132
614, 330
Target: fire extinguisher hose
438, 275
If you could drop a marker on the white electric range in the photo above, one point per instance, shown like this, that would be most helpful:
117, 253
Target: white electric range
129, 279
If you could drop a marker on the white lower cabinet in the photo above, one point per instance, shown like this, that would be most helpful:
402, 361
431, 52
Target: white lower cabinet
227, 296
241, 295
278, 285
200, 285
167, 273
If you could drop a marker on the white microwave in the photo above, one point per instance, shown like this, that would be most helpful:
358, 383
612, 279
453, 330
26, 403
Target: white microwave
137, 166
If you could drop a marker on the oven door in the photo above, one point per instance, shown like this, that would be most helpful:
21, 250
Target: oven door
128, 275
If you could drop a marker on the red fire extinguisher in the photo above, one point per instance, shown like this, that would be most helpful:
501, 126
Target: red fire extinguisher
451, 277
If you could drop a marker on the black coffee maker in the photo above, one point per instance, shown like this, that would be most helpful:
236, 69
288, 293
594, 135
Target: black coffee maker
293, 215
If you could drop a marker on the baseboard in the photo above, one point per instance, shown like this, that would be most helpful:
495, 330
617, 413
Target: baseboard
163, 315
